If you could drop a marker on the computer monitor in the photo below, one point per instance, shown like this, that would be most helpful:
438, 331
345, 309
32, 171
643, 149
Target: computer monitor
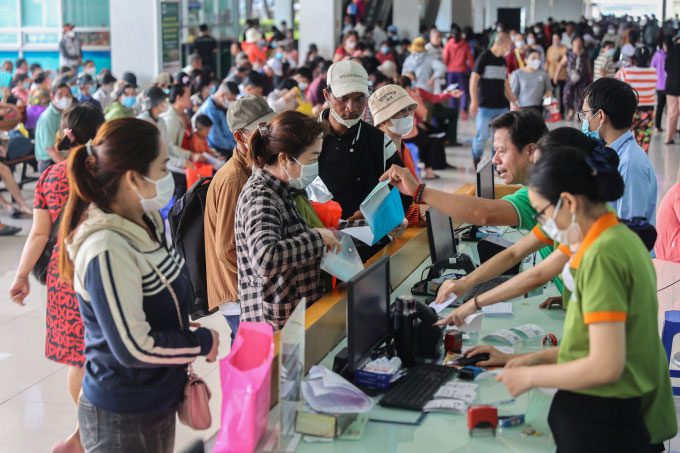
440, 235
368, 316
485, 180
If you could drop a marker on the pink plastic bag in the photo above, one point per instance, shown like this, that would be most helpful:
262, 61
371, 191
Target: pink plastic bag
246, 388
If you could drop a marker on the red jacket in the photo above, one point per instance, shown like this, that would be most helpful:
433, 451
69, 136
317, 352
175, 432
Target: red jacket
254, 52
457, 56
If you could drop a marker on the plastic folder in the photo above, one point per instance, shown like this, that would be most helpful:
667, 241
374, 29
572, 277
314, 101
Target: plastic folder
383, 212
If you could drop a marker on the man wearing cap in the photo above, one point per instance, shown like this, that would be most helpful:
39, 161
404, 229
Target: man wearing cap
243, 117
103, 93
354, 154
70, 48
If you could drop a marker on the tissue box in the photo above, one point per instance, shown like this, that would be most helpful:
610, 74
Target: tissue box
330, 426
379, 381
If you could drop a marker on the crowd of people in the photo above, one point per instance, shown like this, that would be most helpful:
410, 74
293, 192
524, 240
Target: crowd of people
113, 156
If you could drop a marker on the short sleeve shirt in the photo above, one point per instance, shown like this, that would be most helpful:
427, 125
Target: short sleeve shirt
493, 73
615, 282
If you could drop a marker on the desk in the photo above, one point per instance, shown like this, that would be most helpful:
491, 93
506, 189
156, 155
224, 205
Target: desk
448, 432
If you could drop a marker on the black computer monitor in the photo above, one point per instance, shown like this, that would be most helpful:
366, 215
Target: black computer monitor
485, 180
440, 235
368, 317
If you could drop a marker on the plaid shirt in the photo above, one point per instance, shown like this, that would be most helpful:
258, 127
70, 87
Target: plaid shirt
278, 255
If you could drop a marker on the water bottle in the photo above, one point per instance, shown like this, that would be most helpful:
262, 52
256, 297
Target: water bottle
405, 320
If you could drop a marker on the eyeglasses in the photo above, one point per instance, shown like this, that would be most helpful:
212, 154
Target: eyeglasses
539, 217
583, 115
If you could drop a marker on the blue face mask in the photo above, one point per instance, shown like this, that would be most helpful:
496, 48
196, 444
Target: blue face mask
279, 56
585, 128
213, 89
75, 91
129, 101
384, 50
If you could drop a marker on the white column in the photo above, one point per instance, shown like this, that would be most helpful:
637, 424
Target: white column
462, 13
445, 15
406, 16
319, 24
283, 10
135, 39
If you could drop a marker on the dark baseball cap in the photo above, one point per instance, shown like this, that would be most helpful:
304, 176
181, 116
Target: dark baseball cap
130, 78
248, 112
107, 78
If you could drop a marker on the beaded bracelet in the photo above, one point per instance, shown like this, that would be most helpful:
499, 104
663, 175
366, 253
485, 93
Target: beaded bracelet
418, 196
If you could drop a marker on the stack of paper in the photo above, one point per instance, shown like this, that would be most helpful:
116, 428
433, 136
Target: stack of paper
383, 212
453, 397
345, 264
498, 310
326, 391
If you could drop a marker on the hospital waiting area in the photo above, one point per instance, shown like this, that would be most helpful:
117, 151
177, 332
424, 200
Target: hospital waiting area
240, 226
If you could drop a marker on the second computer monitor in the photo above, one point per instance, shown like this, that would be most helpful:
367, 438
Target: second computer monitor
368, 318
440, 235
485, 180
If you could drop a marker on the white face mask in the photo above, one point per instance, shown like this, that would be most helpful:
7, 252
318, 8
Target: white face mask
165, 187
62, 103
571, 236
351, 45
347, 123
308, 173
534, 64
401, 126
531, 41
302, 86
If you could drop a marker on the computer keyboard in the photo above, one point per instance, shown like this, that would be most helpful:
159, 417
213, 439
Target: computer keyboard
415, 389
482, 288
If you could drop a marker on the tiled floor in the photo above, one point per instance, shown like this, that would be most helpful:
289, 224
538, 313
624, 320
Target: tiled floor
35, 409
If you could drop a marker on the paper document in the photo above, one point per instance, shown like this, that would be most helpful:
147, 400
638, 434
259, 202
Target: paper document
453, 86
383, 212
504, 336
529, 331
465, 391
473, 323
326, 391
446, 405
343, 265
499, 309
439, 307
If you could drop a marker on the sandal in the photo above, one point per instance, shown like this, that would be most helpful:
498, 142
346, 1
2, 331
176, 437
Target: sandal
7, 230
19, 214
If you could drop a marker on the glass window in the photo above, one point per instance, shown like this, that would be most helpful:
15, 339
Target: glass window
41, 38
8, 14
8, 38
40, 13
86, 13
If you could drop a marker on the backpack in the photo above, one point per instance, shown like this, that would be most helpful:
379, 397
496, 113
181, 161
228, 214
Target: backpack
186, 228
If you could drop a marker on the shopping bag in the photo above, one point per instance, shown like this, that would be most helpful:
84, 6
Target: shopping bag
199, 170
246, 388
329, 213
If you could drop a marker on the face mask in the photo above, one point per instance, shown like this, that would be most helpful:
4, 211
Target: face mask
308, 173
347, 123
611, 31
75, 91
596, 30
213, 89
27, 85
129, 101
165, 187
401, 126
519, 43
91, 71
279, 56
585, 128
302, 86
537, 30
398, 49
534, 64
384, 50
166, 91
351, 44
531, 41
611, 52
71, 34
572, 235
62, 103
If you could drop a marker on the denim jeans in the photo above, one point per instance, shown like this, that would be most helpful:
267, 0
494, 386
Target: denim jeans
233, 321
484, 117
108, 432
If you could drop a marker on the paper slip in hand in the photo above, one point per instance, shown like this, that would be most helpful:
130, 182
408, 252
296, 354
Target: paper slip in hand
343, 265
503, 336
446, 405
473, 323
498, 310
383, 212
439, 307
453, 86
529, 330
326, 391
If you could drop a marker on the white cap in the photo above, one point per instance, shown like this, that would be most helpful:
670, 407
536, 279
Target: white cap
252, 35
345, 77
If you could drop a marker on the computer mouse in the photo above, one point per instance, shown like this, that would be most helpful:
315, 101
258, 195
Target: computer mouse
465, 361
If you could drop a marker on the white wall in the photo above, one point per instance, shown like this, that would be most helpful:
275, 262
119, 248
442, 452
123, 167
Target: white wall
319, 24
485, 11
135, 40
406, 16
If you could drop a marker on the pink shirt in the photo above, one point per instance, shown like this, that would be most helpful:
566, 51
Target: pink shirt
668, 226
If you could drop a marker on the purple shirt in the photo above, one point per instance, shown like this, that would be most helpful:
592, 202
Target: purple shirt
657, 63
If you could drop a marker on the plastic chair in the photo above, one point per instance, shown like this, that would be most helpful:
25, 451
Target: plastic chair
671, 328
415, 153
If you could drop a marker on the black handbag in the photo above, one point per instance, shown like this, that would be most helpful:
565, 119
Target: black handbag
40, 268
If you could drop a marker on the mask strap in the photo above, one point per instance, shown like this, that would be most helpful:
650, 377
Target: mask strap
88, 147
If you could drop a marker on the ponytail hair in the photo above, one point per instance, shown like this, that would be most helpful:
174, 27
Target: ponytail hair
569, 169
289, 133
96, 169
79, 124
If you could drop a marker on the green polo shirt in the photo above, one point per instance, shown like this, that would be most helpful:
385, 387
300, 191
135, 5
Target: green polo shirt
525, 213
46, 131
616, 282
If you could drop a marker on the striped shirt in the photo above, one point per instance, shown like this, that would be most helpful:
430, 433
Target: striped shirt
604, 66
643, 80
